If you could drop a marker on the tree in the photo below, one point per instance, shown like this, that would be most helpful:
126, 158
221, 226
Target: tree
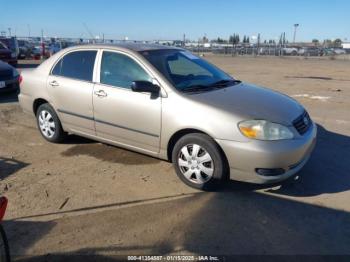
231, 40
337, 42
237, 39
315, 42
220, 40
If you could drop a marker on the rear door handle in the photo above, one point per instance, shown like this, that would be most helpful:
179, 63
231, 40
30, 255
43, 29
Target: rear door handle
54, 83
100, 93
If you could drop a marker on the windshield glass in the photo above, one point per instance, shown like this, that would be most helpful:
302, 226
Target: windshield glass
185, 70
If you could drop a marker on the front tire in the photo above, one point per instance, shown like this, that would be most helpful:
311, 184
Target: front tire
199, 162
49, 124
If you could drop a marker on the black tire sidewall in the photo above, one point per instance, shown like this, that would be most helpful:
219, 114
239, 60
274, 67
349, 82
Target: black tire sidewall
59, 133
5, 243
213, 149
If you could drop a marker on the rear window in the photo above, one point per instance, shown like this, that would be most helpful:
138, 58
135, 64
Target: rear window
77, 65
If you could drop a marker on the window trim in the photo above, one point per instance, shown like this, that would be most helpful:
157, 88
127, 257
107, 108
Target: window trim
135, 59
72, 51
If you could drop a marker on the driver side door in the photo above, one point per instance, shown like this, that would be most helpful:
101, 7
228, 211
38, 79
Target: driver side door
127, 118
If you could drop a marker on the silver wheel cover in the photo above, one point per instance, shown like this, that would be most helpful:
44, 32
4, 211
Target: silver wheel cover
196, 164
46, 124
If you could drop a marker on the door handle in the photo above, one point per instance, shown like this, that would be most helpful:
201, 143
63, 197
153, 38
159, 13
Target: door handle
54, 83
100, 93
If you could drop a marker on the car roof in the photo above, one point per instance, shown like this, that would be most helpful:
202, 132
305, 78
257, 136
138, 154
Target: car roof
136, 47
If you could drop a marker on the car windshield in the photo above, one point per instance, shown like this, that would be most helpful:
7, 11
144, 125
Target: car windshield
186, 71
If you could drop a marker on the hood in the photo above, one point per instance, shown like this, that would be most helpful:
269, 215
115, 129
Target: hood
252, 102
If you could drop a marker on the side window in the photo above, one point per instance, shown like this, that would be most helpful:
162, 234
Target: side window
120, 70
77, 65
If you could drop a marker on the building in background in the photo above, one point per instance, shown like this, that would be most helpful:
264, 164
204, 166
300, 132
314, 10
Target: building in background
346, 45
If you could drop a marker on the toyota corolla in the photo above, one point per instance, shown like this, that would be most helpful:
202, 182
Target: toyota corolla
168, 103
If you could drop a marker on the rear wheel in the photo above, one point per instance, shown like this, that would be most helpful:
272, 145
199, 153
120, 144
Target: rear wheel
198, 161
49, 124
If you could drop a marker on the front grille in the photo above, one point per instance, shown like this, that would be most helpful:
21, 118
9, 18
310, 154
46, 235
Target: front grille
302, 123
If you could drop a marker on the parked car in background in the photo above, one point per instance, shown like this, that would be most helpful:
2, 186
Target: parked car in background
7, 55
9, 78
269, 50
168, 103
328, 51
339, 51
11, 43
54, 48
290, 51
37, 52
25, 48
311, 51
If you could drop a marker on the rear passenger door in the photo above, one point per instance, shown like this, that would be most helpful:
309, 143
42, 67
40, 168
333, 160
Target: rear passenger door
70, 85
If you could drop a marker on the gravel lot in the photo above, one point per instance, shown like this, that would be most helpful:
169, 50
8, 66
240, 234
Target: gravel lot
89, 198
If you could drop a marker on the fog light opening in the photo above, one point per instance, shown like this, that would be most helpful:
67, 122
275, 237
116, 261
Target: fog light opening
270, 171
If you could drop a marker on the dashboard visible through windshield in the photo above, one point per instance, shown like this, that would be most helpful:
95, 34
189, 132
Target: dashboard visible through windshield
186, 71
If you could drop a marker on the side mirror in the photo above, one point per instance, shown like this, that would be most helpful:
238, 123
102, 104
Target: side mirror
145, 86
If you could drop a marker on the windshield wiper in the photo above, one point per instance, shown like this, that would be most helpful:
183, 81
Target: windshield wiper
218, 84
225, 82
196, 88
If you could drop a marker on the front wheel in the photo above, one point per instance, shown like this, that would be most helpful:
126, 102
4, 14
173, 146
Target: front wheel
199, 162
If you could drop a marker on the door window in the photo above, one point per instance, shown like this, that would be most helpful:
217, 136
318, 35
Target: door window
120, 70
77, 65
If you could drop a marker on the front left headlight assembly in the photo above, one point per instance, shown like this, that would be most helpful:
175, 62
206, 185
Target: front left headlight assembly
265, 130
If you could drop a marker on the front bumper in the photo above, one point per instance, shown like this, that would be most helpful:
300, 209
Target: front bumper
245, 157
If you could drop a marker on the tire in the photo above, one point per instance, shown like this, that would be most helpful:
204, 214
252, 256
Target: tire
49, 124
189, 165
4, 246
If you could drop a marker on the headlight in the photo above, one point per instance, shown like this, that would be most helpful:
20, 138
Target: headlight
15, 73
264, 130
13, 55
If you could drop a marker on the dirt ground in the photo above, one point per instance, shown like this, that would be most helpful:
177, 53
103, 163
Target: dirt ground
84, 197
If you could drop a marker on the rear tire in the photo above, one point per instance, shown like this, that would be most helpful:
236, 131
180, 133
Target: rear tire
199, 162
49, 124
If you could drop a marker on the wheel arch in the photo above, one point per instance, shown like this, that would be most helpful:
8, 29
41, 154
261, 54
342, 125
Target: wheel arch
38, 102
180, 133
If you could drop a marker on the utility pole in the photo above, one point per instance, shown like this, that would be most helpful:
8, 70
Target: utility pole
9, 31
28, 25
42, 44
295, 31
233, 42
184, 40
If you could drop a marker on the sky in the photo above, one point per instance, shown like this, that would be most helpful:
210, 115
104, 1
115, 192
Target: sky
170, 19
